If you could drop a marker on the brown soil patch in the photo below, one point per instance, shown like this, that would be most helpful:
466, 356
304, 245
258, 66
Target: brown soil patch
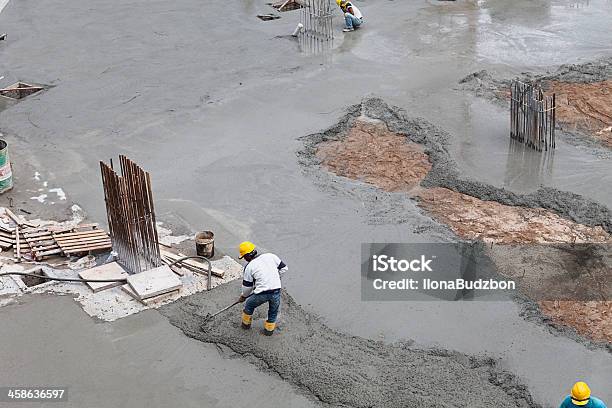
591, 319
586, 107
491, 221
372, 153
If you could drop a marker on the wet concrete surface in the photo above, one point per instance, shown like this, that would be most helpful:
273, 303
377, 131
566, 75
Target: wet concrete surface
139, 361
205, 97
349, 371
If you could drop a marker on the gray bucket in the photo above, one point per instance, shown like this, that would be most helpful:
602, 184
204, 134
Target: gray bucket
205, 244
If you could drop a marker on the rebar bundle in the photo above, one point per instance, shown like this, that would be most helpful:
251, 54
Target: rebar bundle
131, 216
317, 32
532, 116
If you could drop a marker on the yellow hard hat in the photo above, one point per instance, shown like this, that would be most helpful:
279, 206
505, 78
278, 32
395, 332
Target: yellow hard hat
245, 247
580, 393
340, 2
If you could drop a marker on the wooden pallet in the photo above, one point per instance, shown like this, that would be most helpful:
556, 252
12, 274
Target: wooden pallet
83, 241
41, 243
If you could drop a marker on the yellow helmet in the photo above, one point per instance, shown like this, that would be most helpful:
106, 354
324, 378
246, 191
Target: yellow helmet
580, 393
245, 247
340, 2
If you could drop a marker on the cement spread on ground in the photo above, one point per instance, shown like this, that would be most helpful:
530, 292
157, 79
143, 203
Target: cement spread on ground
348, 371
473, 210
583, 96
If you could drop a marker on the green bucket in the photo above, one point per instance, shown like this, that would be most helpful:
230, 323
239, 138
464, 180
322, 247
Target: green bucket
6, 175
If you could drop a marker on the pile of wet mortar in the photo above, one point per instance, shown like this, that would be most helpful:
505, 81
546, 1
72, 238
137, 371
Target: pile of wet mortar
343, 370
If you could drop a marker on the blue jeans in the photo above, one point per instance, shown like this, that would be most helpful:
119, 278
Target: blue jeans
255, 300
351, 21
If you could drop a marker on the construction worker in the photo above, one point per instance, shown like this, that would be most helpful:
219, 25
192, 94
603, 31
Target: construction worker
352, 15
260, 284
580, 396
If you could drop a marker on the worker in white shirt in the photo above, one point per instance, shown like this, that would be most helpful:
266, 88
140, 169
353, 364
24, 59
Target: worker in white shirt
352, 15
261, 284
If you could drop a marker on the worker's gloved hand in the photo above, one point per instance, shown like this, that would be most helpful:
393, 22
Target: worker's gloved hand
241, 299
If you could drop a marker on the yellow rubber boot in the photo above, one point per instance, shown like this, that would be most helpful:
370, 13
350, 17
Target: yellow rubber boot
269, 328
246, 320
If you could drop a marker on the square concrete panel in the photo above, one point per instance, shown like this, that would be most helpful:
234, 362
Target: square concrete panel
154, 282
108, 271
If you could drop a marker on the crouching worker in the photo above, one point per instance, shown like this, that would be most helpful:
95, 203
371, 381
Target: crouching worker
352, 15
260, 284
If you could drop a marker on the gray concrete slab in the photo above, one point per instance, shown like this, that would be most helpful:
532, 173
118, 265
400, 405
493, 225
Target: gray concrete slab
208, 99
139, 361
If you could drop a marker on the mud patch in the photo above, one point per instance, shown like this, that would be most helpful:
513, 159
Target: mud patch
348, 371
591, 319
490, 221
374, 155
584, 107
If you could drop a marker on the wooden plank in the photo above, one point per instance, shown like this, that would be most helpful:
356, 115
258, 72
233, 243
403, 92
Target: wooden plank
84, 243
86, 249
79, 234
105, 244
7, 240
17, 244
107, 271
176, 269
154, 282
150, 301
87, 239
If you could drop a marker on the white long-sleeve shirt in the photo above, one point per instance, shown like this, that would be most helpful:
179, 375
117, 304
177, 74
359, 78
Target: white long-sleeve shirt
262, 274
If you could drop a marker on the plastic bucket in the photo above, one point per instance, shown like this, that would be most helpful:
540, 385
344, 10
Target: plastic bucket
205, 244
6, 175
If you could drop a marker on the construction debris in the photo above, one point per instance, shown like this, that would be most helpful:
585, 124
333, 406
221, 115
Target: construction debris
35, 243
193, 265
20, 90
268, 17
131, 215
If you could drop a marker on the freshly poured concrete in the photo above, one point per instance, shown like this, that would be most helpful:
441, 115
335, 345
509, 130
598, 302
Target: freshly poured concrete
206, 97
140, 361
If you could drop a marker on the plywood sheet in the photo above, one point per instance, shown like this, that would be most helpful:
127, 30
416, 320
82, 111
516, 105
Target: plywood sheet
154, 282
107, 271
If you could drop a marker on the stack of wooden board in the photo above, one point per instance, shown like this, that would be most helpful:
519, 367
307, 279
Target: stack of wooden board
82, 241
38, 242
